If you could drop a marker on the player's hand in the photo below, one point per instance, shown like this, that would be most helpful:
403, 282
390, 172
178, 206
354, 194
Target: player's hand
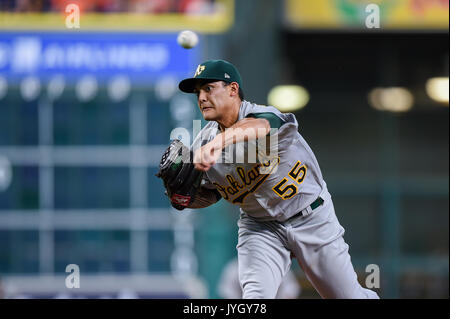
207, 155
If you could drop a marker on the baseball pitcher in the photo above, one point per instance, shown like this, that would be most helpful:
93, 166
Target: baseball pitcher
253, 156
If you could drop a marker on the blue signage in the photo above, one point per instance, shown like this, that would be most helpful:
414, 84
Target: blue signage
144, 57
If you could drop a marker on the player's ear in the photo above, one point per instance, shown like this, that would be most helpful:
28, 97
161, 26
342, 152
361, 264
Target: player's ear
234, 88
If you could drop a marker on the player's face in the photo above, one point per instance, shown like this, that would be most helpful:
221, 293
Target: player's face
213, 99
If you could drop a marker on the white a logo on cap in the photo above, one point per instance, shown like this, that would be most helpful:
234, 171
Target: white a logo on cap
199, 70
227, 76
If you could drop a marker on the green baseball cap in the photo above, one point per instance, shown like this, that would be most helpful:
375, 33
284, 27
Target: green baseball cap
218, 70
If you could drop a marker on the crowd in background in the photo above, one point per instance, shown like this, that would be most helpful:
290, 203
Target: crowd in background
142, 6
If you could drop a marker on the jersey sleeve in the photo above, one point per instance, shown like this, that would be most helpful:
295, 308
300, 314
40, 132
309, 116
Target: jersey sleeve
274, 120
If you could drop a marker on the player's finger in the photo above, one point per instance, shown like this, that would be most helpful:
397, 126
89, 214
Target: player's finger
202, 167
199, 157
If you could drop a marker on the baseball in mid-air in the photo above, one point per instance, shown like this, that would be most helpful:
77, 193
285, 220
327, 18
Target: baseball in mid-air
187, 39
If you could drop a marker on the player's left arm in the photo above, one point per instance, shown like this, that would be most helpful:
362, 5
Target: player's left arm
274, 121
250, 128
253, 126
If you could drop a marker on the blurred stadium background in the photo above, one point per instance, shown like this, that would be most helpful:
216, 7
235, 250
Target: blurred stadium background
86, 113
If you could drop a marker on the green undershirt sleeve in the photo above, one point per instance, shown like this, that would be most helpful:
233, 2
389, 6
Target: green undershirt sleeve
275, 121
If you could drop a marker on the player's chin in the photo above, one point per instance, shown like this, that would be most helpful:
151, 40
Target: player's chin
209, 115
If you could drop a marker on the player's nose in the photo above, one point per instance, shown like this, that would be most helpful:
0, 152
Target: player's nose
201, 97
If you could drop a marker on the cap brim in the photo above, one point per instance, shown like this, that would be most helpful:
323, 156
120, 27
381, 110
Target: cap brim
188, 85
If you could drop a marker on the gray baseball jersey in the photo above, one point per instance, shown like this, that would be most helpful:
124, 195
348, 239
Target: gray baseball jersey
295, 180
269, 235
